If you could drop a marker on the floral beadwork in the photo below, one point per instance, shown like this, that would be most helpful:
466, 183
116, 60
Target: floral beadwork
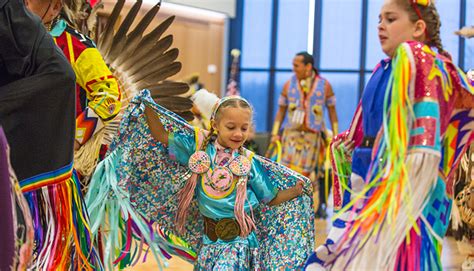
221, 179
218, 183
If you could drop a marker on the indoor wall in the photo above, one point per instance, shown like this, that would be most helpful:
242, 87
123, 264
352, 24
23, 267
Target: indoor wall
200, 39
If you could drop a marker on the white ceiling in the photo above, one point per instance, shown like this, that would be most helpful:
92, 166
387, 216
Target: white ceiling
223, 6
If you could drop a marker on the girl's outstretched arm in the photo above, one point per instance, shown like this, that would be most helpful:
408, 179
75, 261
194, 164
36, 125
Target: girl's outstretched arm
156, 127
287, 194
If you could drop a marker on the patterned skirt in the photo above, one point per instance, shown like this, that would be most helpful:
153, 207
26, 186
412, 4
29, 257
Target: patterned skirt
300, 150
228, 256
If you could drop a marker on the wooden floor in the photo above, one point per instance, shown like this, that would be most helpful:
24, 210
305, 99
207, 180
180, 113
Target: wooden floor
451, 258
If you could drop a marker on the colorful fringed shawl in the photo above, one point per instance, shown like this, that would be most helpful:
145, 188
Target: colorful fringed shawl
406, 201
133, 198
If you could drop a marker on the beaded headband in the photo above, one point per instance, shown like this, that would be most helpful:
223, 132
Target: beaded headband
227, 98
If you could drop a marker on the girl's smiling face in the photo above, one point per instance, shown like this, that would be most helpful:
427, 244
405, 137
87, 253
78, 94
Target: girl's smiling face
233, 126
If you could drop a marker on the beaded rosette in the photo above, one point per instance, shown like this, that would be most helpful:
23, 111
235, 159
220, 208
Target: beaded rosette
199, 162
240, 166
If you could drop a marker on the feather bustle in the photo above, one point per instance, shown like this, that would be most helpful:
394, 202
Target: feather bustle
135, 36
139, 73
141, 61
168, 88
175, 103
147, 53
119, 40
155, 35
160, 75
105, 39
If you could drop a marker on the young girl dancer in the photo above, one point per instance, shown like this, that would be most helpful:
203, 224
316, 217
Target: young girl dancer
414, 123
231, 184
211, 198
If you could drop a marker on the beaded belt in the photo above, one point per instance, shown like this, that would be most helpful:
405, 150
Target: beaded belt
226, 229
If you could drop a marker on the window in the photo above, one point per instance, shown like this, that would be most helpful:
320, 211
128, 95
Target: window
340, 39
469, 49
257, 21
345, 87
292, 32
338, 35
254, 88
449, 15
280, 79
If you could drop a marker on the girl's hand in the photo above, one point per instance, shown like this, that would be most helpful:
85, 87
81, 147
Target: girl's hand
349, 147
298, 188
287, 194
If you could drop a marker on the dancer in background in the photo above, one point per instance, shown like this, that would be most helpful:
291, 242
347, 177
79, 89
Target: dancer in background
233, 84
303, 98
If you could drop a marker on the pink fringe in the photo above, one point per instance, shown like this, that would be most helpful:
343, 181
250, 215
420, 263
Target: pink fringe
246, 223
186, 195
406, 258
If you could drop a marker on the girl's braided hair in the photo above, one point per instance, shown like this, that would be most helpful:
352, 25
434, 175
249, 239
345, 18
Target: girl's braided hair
429, 14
